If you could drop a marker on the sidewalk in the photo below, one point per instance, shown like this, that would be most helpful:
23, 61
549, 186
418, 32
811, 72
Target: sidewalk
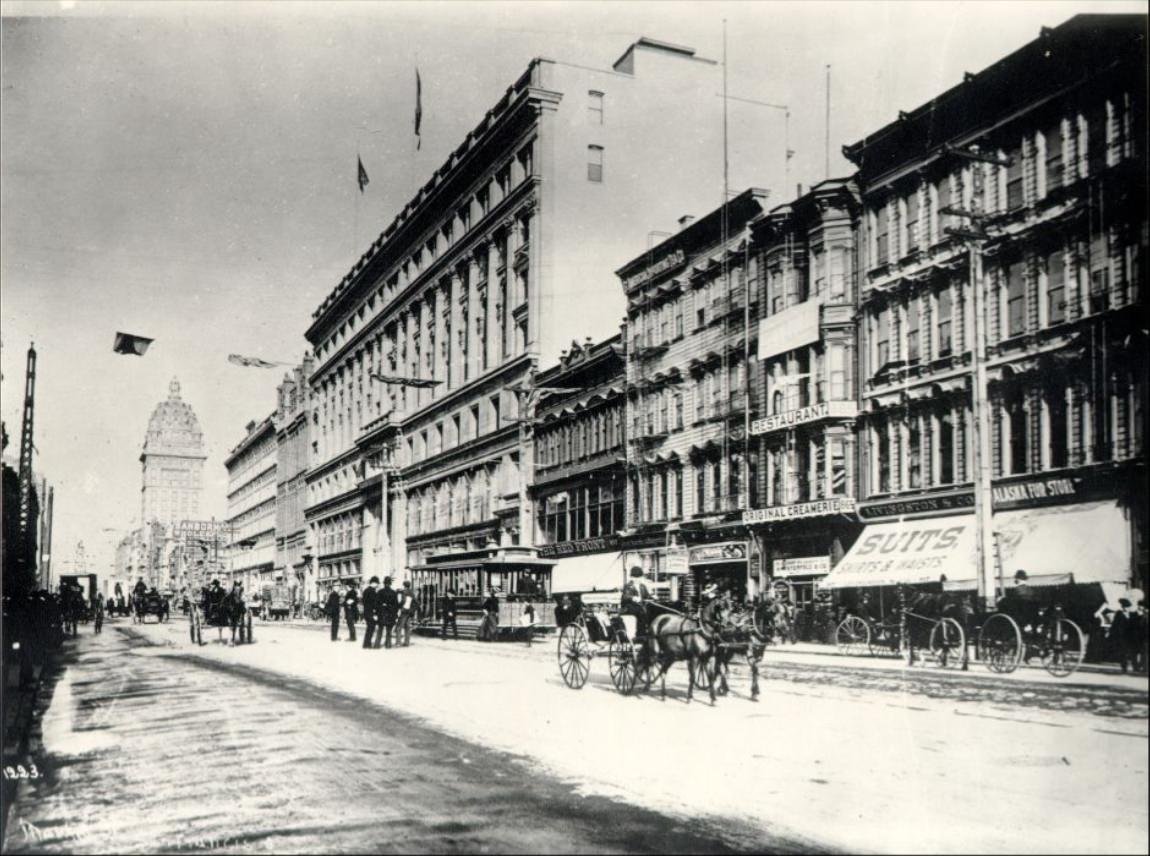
799, 653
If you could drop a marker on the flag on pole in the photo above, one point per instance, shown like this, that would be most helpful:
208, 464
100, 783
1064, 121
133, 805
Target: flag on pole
418, 107
361, 174
126, 343
253, 362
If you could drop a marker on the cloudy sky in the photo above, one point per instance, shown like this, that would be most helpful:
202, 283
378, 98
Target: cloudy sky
186, 171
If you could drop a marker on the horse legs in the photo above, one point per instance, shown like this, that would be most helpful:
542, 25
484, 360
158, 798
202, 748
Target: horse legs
710, 667
754, 675
690, 677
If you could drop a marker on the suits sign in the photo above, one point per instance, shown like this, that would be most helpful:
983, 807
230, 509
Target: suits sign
908, 552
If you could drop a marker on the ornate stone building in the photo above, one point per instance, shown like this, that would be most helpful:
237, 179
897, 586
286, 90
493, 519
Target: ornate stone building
172, 462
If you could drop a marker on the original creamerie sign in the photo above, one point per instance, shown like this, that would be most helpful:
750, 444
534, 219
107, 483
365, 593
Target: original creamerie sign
918, 551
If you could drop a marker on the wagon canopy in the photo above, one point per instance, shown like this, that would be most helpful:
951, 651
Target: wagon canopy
1082, 543
588, 572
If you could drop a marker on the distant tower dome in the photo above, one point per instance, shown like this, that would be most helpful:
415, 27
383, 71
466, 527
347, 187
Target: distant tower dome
174, 428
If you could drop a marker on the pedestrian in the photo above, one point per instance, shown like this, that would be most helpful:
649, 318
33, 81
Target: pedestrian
370, 611
529, 621
333, 610
1143, 637
98, 616
351, 609
388, 605
1124, 635
406, 613
449, 608
489, 629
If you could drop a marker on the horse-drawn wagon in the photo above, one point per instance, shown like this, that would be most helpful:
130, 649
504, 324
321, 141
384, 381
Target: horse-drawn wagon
221, 610
150, 603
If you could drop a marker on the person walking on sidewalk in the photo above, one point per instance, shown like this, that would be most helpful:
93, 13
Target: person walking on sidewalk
489, 628
449, 614
388, 604
406, 613
333, 610
98, 612
370, 612
351, 609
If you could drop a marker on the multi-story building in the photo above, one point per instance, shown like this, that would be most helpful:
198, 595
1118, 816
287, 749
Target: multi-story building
804, 400
251, 512
579, 484
502, 258
687, 359
1059, 132
172, 461
293, 454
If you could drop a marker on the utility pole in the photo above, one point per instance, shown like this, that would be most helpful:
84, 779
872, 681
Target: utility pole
975, 236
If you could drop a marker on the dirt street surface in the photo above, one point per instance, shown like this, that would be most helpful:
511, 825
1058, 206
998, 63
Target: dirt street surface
299, 743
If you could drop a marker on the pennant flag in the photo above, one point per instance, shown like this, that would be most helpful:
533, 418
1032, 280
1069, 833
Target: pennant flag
361, 174
790, 153
253, 362
126, 343
406, 381
418, 107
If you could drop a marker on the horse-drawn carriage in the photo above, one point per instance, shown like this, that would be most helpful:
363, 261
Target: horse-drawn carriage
150, 603
707, 642
944, 624
221, 610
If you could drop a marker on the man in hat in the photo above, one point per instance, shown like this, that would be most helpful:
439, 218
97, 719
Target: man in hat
388, 604
448, 608
332, 607
370, 612
489, 629
636, 594
351, 609
406, 612
1124, 635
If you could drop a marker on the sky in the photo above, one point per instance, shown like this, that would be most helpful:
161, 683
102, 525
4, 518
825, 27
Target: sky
187, 172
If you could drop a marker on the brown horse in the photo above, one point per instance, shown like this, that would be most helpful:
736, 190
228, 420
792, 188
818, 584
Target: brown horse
679, 637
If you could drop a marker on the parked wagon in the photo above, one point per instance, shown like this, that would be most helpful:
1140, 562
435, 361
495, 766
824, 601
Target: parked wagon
151, 603
227, 612
929, 623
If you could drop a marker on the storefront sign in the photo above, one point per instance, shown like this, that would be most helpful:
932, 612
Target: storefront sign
676, 560
909, 552
732, 551
825, 410
838, 505
918, 505
203, 528
575, 548
801, 567
672, 259
1023, 493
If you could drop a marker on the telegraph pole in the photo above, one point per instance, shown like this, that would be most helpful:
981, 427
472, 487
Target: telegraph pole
975, 236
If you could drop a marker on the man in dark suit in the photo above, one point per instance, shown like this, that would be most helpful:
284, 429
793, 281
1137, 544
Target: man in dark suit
489, 629
388, 607
449, 607
351, 609
333, 610
406, 614
370, 611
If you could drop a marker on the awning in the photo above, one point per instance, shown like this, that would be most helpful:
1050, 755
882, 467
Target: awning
1089, 541
908, 552
589, 572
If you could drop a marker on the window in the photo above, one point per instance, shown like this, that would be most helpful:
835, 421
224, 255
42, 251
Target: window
882, 236
1016, 299
945, 449
914, 455
1055, 287
464, 218
495, 426
526, 161
838, 262
945, 311
678, 492
678, 410
837, 360
664, 495
910, 227
778, 477
594, 163
700, 488
483, 200
882, 455
678, 312
882, 338
595, 107
1053, 140
1015, 197
1016, 414
717, 485
944, 201
1056, 419
912, 330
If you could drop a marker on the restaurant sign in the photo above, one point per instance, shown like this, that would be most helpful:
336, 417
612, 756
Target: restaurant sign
672, 259
804, 566
824, 410
731, 551
576, 548
823, 507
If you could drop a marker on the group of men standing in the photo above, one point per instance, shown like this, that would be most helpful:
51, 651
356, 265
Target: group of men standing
385, 612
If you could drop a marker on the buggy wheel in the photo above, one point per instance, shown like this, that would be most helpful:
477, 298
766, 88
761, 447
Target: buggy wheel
852, 636
574, 656
621, 656
948, 643
1062, 651
1000, 643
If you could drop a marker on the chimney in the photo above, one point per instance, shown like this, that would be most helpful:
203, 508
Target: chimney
685, 221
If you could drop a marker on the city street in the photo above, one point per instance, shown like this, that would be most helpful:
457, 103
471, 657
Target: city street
300, 744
